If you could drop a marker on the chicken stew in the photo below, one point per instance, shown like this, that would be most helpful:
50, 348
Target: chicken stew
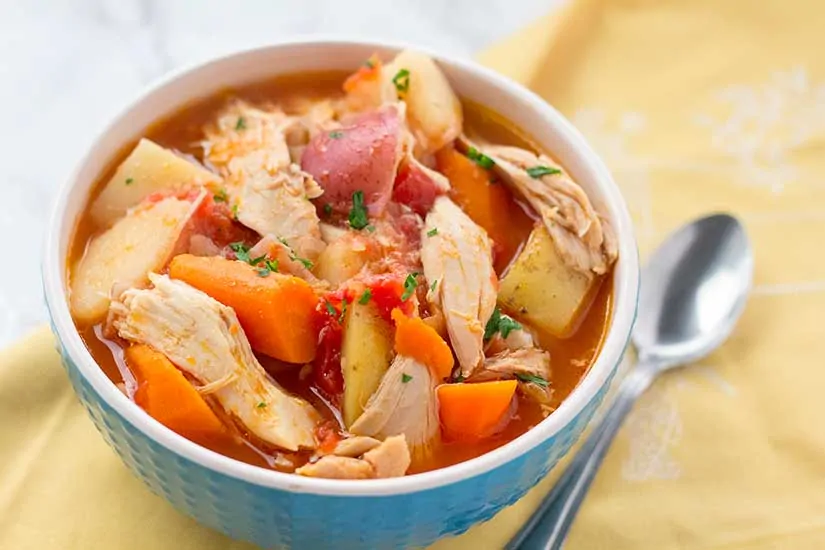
343, 276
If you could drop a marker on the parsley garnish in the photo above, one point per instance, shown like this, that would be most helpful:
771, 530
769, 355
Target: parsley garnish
432, 232
343, 310
235, 212
480, 158
331, 309
272, 265
327, 210
241, 251
241, 124
410, 284
307, 263
402, 80
261, 405
370, 228
263, 272
220, 196
539, 171
358, 215
432, 286
365, 297
459, 377
336, 134
533, 379
369, 63
500, 323
405, 378
130, 181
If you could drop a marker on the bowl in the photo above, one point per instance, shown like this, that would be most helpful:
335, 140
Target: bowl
274, 509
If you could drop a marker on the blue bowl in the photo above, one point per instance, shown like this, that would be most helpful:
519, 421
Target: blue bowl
276, 510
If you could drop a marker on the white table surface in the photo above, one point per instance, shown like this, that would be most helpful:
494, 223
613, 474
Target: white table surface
66, 66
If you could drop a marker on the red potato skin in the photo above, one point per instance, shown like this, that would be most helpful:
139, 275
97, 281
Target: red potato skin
362, 156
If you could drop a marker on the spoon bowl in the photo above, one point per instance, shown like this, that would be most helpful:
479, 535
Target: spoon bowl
694, 289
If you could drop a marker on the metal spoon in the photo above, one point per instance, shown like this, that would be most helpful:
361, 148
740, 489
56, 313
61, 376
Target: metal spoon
694, 289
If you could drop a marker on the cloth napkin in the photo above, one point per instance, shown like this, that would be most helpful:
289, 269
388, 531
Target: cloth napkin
696, 106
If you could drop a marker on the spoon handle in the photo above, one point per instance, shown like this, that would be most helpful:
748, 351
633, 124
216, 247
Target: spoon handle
547, 528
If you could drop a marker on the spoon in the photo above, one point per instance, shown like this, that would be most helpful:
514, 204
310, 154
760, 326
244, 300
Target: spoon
694, 289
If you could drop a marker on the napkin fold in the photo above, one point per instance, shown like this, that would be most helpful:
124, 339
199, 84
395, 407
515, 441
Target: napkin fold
696, 106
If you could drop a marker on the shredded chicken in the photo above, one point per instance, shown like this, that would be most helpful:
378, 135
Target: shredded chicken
289, 262
389, 458
582, 236
530, 366
355, 446
404, 403
203, 338
269, 193
458, 258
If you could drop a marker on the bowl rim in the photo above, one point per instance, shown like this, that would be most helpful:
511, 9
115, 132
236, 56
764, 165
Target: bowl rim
625, 300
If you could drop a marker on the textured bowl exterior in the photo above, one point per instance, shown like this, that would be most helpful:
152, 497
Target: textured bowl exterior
273, 518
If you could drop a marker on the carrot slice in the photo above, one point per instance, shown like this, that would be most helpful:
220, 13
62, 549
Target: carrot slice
276, 311
169, 398
489, 204
415, 338
474, 411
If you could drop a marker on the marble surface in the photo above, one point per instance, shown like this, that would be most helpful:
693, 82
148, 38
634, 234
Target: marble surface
67, 66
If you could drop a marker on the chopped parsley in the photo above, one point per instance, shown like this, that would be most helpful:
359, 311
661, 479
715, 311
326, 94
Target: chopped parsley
263, 272
365, 297
533, 379
220, 196
241, 251
410, 284
343, 311
405, 378
358, 215
294, 257
331, 309
432, 286
432, 232
235, 212
336, 134
402, 80
500, 323
130, 181
261, 405
459, 377
480, 158
369, 63
327, 210
370, 228
272, 265
241, 124
539, 171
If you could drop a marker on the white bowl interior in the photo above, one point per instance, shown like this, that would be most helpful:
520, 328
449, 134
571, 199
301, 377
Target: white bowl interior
524, 109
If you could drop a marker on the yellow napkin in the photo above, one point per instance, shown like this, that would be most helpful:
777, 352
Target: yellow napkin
696, 105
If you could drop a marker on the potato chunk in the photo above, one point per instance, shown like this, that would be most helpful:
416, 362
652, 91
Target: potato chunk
125, 253
366, 353
433, 110
148, 169
541, 290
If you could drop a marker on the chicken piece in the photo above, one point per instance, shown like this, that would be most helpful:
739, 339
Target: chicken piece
288, 260
582, 236
203, 338
457, 258
312, 117
389, 458
269, 194
530, 366
355, 446
338, 467
517, 339
404, 404
522, 364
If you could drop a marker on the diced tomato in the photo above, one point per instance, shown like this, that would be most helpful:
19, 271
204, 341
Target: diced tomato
214, 220
328, 436
415, 188
326, 368
386, 295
